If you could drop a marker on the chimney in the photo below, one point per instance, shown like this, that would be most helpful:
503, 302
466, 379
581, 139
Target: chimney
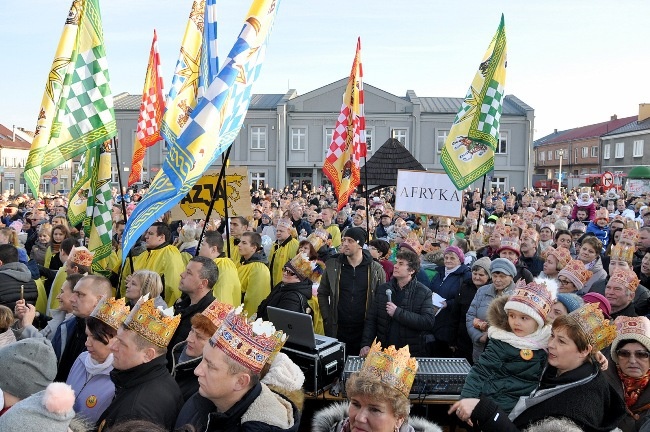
13, 134
614, 117
644, 111
555, 131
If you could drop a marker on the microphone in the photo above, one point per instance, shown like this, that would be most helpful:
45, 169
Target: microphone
389, 293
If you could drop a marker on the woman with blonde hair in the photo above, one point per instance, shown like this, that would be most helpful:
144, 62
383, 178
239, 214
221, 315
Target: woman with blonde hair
10, 236
144, 282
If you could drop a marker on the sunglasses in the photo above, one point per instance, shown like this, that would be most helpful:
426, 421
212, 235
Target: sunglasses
642, 355
288, 271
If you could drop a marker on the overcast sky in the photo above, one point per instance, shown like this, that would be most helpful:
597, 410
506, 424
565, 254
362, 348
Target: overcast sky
574, 62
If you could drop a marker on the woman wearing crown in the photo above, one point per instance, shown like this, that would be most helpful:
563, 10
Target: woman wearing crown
378, 397
571, 385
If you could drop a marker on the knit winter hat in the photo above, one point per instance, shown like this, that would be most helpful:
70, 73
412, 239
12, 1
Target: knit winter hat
570, 301
601, 300
48, 410
631, 328
456, 251
534, 299
357, 234
27, 366
485, 263
577, 273
504, 266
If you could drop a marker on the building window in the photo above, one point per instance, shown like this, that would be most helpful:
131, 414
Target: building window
502, 146
258, 137
369, 133
401, 135
542, 156
441, 138
606, 148
585, 152
114, 176
594, 170
299, 139
620, 150
565, 154
499, 183
327, 140
258, 180
594, 151
550, 155
557, 154
637, 150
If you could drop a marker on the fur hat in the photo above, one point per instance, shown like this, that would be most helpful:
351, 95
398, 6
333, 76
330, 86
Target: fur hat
485, 263
456, 251
28, 366
357, 234
570, 301
634, 328
534, 299
577, 273
48, 410
601, 300
504, 266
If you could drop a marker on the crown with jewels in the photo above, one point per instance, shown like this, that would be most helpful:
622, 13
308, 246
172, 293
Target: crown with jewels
111, 311
394, 367
81, 256
600, 333
318, 238
285, 223
511, 243
248, 343
156, 325
217, 311
630, 235
562, 255
306, 268
530, 232
625, 277
537, 295
576, 271
622, 253
521, 224
631, 328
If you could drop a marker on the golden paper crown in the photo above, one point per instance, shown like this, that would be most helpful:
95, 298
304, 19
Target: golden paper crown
111, 311
216, 312
630, 235
285, 223
81, 256
521, 224
412, 243
501, 229
154, 324
562, 255
530, 232
393, 367
625, 277
306, 268
249, 344
318, 238
600, 333
622, 253
601, 213
477, 240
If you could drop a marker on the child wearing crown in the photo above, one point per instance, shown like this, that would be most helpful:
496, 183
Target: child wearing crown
515, 355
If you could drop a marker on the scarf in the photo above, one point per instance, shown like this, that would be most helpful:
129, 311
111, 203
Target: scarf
450, 271
93, 368
534, 341
632, 387
591, 265
56, 247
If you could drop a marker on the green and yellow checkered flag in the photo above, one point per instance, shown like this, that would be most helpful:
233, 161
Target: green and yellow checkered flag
77, 107
469, 150
98, 224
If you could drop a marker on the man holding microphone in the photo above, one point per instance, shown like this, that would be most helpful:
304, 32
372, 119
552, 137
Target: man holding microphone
402, 309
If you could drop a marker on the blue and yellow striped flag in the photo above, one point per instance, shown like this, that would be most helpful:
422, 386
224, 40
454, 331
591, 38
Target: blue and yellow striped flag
76, 112
212, 126
469, 149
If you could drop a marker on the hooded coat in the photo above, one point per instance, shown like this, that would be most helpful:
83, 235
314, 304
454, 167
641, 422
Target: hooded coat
255, 279
12, 277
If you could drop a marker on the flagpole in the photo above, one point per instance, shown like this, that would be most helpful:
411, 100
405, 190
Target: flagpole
225, 202
480, 205
365, 180
119, 181
215, 195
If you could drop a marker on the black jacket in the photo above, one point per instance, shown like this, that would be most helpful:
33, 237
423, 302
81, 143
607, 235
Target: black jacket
145, 392
183, 372
187, 311
12, 277
594, 405
443, 329
288, 296
534, 264
458, 318
414, 316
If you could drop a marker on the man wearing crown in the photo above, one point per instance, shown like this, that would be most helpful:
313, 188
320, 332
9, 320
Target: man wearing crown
231, 396
620, 290
144, 389
160, 257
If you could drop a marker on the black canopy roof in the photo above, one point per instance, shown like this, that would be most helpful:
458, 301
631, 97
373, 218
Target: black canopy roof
383, 165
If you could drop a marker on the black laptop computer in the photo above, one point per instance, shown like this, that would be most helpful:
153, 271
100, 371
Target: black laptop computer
299, 328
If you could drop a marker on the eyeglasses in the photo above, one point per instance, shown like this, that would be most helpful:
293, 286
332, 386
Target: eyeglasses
288, 271
641, 355
564, 281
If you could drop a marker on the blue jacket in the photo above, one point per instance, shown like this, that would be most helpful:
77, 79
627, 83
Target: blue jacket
601, 234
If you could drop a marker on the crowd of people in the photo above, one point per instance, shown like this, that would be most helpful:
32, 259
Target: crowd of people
543, 293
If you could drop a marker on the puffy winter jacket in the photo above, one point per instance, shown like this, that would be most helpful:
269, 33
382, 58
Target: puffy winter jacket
13, 276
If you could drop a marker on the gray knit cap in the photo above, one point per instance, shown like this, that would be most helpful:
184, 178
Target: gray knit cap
49, 410
485, 263
27, 366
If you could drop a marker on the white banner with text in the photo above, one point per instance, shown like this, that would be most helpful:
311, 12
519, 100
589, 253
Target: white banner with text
427, 193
